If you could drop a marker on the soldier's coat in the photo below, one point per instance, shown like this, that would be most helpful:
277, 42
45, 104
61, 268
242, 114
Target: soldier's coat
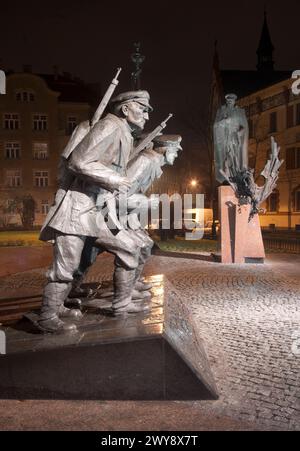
230, 137
100, 158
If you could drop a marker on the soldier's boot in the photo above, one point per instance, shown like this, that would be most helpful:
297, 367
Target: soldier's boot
142, 295
73, 303
140, 285
137, 296
73, 313
77, 291
53, 298
123, 286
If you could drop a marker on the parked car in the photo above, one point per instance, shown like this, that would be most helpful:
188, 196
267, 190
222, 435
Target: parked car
208, 227
196, 227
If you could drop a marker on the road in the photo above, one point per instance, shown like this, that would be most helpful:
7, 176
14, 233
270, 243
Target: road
18, 259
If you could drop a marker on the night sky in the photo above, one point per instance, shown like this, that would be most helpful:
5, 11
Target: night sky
92, 38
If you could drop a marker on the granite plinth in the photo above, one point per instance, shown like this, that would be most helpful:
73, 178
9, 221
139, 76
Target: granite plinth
154, 356
240, 239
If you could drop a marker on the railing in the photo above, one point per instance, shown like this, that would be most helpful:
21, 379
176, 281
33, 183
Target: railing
282, 244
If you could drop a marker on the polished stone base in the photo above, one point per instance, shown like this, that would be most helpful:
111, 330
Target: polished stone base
240, 241
153, 356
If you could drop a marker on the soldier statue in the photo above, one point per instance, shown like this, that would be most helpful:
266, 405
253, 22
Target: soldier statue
230, 138
97, 168
142, 171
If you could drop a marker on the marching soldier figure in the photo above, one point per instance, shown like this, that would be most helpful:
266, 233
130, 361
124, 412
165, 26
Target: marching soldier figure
98, 164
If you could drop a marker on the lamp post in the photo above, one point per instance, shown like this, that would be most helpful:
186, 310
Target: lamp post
137, 58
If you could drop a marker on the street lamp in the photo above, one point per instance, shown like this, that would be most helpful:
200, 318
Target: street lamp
193, 183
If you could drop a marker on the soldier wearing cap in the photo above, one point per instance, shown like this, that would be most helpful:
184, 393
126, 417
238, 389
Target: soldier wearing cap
146, 167
99, 164
142, 171
230, 137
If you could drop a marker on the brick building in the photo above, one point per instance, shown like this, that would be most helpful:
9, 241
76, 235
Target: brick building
37, 115
272, 110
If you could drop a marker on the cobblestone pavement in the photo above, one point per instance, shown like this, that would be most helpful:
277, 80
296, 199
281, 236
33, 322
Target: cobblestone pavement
249, 319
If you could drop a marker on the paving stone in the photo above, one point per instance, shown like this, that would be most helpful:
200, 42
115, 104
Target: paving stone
249, 317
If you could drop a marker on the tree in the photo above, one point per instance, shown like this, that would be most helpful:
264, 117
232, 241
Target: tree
25, 207
5, 215
198, 122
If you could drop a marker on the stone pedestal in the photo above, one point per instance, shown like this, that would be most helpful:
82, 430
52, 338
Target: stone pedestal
240, 240
155, 356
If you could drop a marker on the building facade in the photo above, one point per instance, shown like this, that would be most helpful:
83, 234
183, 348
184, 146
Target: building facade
37, 116
275, 111
272, 110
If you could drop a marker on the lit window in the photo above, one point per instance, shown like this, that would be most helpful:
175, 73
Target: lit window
40, 122
11, 121
13, 178
41, 179
12, 150
297, 200
40, 151
272, 202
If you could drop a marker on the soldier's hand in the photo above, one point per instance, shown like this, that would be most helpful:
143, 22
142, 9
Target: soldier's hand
150, 146
124, 185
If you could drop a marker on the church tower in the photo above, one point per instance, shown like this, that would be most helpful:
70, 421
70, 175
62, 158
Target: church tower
265, 49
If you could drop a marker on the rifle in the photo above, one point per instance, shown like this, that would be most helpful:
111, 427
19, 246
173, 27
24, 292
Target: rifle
143, 144
82, 129
147, 140
106, 99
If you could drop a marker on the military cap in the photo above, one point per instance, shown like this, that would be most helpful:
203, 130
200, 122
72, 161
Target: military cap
231, 96
168, 141
141, 97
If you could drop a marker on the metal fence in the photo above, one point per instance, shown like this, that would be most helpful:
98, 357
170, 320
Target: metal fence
282, 244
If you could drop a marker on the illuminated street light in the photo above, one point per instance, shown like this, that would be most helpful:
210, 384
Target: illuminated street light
194, 183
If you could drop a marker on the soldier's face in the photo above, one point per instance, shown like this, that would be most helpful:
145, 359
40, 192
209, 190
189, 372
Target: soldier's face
230, 101
171, 155
136, 115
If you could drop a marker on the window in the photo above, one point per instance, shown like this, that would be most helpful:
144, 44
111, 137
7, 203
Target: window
268, 153
298, 114
13, 178
293, 158
251, 129
272, 202
11, 121
41, 179
72, 123
273, 122
290, 116
40, 151
25, 96
40, 122
12, 150
45, 207
297, 200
